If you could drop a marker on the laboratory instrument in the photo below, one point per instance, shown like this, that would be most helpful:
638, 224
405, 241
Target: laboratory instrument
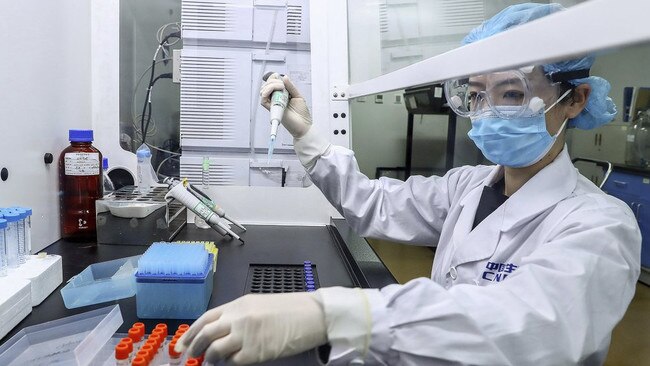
101, 282
266, 37
80, 185
174, 281
279, 101
199, 203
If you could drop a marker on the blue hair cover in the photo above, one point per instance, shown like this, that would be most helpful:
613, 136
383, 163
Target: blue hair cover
600, 108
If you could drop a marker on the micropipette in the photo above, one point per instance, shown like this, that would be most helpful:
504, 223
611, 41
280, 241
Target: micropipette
197, 204
279, 100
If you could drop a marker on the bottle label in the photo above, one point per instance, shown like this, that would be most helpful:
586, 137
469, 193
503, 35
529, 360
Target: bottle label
82, 164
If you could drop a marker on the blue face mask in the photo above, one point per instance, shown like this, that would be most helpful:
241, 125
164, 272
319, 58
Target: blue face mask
515, 142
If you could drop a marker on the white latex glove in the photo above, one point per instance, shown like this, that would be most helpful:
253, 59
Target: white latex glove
309, 146
257, 328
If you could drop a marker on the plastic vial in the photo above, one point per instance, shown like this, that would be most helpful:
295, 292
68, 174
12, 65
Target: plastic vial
174, 357
22, 246
129, 342
192, 362
12, 238
80, 185
27, 223
3, 248
106, 180
144, 168
134, 334
144, 355
122, 355
28, 231
140, 361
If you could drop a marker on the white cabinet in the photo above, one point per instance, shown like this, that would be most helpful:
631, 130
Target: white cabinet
603, 143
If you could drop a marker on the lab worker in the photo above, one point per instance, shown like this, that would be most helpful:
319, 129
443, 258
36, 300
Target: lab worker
534, 263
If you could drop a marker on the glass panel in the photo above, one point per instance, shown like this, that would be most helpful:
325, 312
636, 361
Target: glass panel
143, 24
386, 35
379, 126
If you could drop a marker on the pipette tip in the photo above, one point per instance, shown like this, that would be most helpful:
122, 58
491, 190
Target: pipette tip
270, 153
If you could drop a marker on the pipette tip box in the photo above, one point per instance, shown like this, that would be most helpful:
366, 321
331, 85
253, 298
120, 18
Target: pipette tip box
177, 288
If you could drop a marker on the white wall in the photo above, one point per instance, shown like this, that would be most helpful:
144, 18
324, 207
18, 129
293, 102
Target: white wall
45, 89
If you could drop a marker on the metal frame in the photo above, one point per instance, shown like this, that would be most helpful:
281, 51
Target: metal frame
330, 69
105, 68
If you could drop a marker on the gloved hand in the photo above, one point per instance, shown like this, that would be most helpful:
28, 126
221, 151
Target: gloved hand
257, 328
307, 143
297, 119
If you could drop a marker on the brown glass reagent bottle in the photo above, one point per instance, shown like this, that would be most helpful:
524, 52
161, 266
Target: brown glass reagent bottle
80, 185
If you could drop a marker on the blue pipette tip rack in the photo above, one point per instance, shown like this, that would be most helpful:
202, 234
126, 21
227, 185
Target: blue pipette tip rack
174, 281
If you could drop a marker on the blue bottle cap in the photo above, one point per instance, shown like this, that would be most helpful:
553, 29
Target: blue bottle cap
80, 135
105, 163
3, 224
26, 209
310, 283
307, 263
11, 216
143, 153
311, 290
21, 212
309, 278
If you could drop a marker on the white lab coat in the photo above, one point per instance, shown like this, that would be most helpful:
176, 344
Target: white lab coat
543, 280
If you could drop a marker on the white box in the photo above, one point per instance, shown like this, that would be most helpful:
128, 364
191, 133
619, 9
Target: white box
44, 275
15, 302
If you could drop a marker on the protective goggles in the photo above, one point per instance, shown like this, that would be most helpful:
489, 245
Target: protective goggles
508, 94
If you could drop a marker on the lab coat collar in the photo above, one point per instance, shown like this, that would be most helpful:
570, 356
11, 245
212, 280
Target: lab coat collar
549, 186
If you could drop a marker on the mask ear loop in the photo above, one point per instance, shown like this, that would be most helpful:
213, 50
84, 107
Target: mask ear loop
557, 134
557, 101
